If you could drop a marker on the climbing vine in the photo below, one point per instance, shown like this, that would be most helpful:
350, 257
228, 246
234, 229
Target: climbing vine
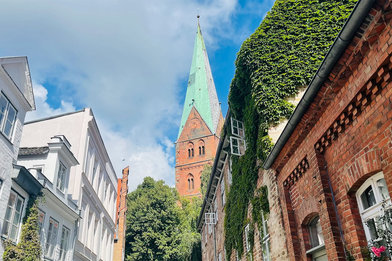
29, 247
272, 65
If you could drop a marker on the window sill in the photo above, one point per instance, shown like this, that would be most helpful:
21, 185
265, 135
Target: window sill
5, 238
6, 138
315, 249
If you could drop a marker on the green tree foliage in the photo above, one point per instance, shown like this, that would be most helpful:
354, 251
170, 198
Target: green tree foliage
205, 178
277, 60
29, 247
160, 226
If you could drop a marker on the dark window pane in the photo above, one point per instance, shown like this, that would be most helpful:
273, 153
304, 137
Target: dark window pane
367, 198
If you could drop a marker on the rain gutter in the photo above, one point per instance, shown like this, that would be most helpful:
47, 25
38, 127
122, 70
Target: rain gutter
344, 38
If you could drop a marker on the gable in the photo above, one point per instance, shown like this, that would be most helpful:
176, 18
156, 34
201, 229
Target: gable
195, 127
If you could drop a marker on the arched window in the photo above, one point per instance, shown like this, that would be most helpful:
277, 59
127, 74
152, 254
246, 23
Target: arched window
316, 237
201, 147
190, 150
191, 182
370, 198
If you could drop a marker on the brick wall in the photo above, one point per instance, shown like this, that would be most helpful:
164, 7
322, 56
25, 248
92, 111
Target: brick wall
195, 134
121, 216
344, 138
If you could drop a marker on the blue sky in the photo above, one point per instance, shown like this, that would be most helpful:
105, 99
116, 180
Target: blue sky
129, 61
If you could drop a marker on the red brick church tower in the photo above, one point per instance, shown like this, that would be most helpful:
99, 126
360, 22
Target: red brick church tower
201, 123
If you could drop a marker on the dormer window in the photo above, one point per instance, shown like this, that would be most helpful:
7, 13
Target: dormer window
7, 116
61, 177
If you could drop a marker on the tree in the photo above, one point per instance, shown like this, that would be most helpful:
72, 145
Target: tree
205, 178
29, 247
158, 228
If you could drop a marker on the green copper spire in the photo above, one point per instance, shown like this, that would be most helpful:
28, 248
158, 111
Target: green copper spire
201, 91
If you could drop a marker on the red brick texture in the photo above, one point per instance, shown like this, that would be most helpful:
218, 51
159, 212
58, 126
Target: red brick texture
194, 136
121, 216
346, 137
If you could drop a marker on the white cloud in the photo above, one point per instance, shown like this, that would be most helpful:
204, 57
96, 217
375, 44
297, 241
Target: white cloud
43, 109
124, 58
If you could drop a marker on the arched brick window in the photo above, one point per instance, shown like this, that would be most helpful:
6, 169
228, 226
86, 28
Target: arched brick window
316, 238
191, 182
190, 150
202, 150
370, 198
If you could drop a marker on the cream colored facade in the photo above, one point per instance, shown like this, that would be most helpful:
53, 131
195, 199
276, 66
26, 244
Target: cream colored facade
92, 183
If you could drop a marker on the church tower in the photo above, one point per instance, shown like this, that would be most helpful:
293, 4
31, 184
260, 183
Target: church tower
201, 123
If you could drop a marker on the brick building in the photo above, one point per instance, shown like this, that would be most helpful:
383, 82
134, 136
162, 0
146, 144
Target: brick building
201, 123
333, 160
271, 246
121, 217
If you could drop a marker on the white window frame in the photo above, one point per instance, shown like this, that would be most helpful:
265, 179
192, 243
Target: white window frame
237, 128
223, 195
41, 221
13, 213
229, 174
247, 243
4, 117
317, 249
64, 243
265, 239
51, 238
62, 174
236, 144
374, 211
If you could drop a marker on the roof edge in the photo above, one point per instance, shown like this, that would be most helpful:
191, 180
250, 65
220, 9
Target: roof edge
357, 16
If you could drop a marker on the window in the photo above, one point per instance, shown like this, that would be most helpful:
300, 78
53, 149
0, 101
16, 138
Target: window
223, 196
41, 220
237, 128
61, 177
13, 216
229, 176
191, 152
370, 197
247, 243
51, 237
7, 116
265, 238
216, 209
191, 182
201, 147
237, 146
317, 247
64, 243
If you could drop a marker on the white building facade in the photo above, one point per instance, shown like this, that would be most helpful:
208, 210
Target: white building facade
58, 213
92, 183
16, 98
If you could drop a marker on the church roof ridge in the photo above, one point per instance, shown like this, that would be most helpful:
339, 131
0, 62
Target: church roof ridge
201, 92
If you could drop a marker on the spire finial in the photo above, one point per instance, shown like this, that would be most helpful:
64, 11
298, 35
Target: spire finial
198, 15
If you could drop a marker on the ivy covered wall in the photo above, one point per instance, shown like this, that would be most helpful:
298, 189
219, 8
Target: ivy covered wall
278, 59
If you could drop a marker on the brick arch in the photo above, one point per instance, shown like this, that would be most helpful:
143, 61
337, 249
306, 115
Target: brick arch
308, 208
304, 227
361, 169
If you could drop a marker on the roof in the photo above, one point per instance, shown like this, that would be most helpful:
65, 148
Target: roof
55, 116
33, 151
216, 173
345, 36
18, 72
201, 92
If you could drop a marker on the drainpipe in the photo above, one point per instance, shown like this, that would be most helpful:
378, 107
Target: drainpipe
337, 216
